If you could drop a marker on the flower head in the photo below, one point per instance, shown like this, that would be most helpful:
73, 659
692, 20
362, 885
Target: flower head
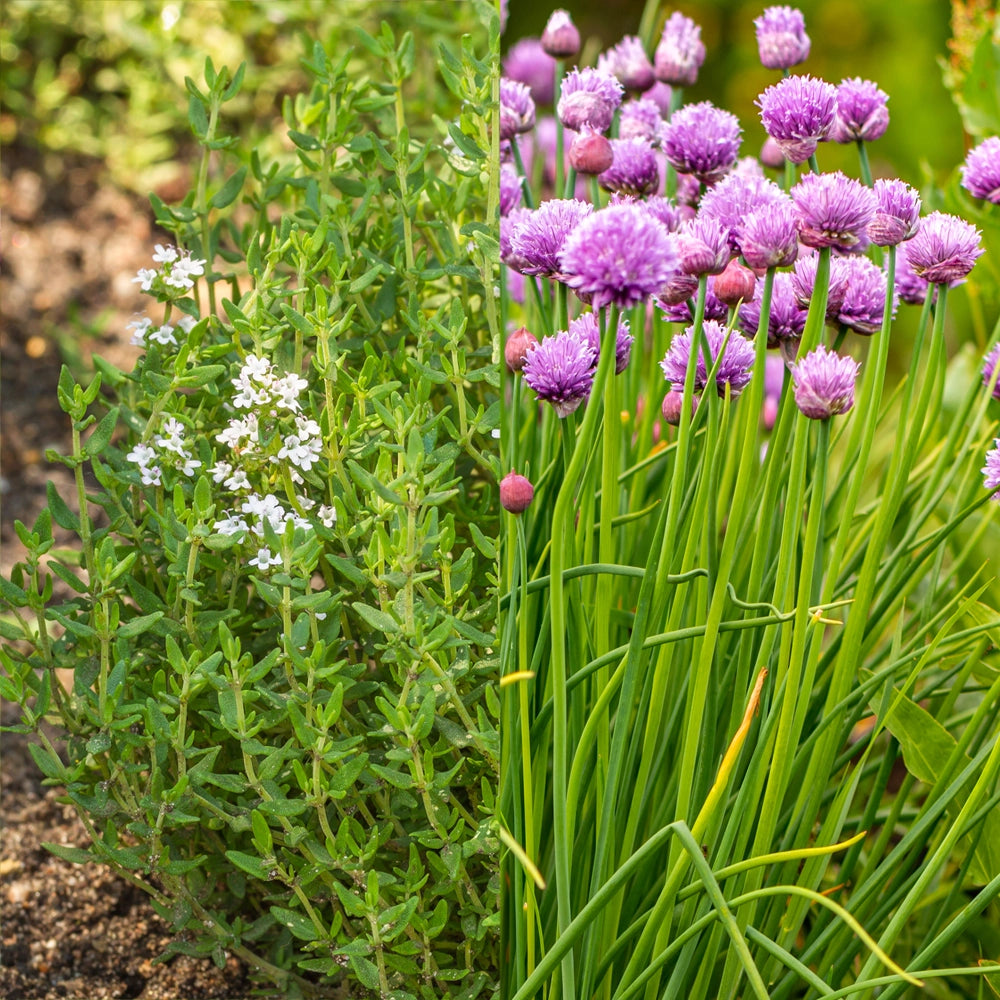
864, 298
561, 371
897, 213
781, 37
527, 62
824, 383
641, 118
991, 470
733, 199
990, 364
561, 38
588, 97
590, 152
678, 307
769, 235
633, 169
664, 210
945, 248
704, 246
680, 52
702, 140
519, 344
785, 321
862, 114
618, 255
539, 236
517, 109
586, 328
511, 189
798, 113
629, 63
735, 284
734, 369
981, 170
804, 282
833, 210
910, 287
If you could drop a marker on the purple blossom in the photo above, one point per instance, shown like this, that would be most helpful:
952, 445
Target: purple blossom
527, 62
682, 310
680, 53
702, 140
862, 114
990, 363
629, 63
589, 97
774, 384
618, 255
804, 280
787, 318
981, 170
944, 249
540, 235
769, 235
561, 38
824, 383
798, 113
897, 213
864, 299
508, 223
511, 190
641, 118
833, 210
586, 328
517, 109
734, 369
703, 244
733, 199
781, 37
633, 170
661, 95
678, 289
991, 470
771, 155
560, 370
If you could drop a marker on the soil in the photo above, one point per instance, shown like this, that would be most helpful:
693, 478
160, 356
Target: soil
70, 246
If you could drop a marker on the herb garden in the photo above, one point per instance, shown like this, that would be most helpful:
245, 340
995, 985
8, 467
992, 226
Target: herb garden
547, 542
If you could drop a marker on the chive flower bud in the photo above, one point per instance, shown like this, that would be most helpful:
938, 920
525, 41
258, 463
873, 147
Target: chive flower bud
516, 493
519, 344
781, 37
680, 52
736, 284
561, 38
590, 152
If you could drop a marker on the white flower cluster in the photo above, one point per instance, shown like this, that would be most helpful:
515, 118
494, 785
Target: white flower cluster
178, 272
251, 516
169, 449
143, 331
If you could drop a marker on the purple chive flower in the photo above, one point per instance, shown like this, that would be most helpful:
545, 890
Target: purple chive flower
589, 97
864, 300
798, 113
702, 140
681, 310
733, 199
862, 115
945, 248
785, 321
704, 246
734, 370
991, 470
517, 109
618, 255
664, 210
833, 210
586, 328
641, 119
897, 213
508, 223
527, 62
981, 170
781, 37
769, 235
540, 235
688, 193
629, 63
824, 383
910, 287
560, 370
771, 155
990, 364
774, 384
511, 189
561, 38
633, 170
680, 53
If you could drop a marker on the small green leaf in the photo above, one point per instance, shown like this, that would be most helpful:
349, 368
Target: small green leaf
229, 191
377, 619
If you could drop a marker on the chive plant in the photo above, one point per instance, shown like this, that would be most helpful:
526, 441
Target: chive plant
749, 623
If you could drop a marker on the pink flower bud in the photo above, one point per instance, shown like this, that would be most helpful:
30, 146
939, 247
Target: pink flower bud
515, 351
516, 493
561, 39
736, 284
590, 153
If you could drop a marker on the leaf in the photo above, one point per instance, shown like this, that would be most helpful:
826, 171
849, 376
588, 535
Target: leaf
229, 191
299, 924
249, 863
78, 855
377, 619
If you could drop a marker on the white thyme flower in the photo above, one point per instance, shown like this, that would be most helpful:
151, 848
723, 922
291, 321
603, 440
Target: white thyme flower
139, 328
221, 471
328, 516
264, 559
187, 323
231, 524
145, 278
286, 391
164, 255
238, 481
